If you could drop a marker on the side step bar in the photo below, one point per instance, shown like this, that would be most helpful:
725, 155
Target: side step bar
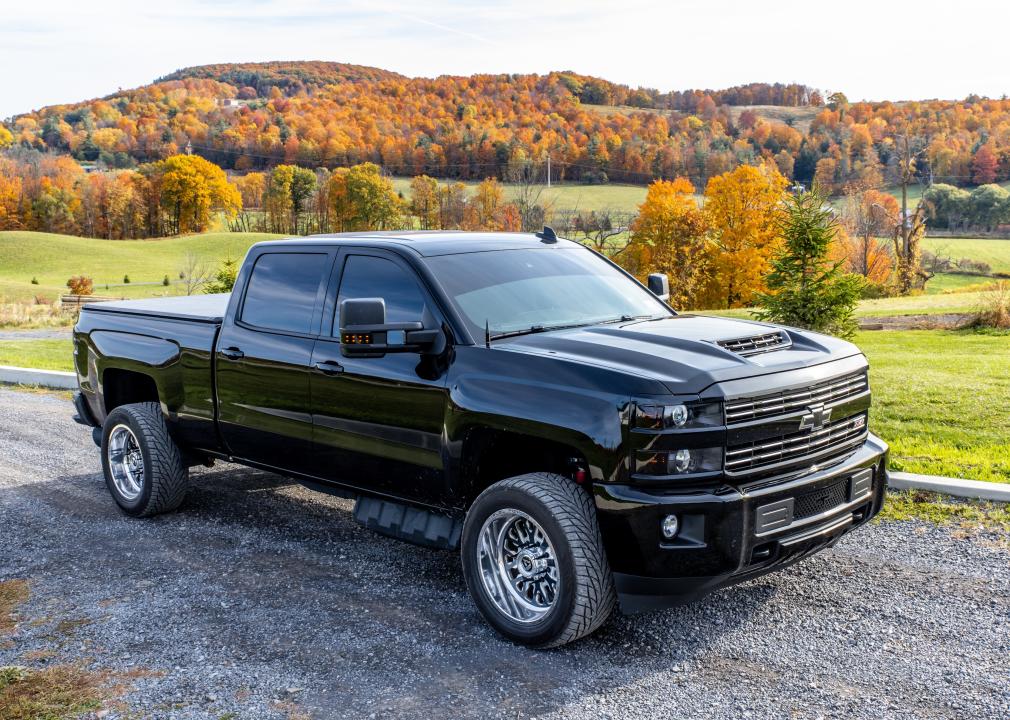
404, 522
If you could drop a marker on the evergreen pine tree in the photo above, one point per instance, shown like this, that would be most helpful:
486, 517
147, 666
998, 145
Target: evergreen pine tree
805, 288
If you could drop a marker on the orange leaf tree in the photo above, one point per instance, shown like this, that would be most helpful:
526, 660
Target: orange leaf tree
675, 230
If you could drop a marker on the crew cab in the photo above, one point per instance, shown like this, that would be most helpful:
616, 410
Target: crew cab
515, 397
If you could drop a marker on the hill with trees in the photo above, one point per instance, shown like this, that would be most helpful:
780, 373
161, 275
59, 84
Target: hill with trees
254, 116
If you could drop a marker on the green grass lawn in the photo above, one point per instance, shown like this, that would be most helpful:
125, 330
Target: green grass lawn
942, 401
995, 251
937, 304
956, 282
52, 259
39, 354
570, 196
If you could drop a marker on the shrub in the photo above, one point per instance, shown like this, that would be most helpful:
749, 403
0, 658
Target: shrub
35, 281
126, 279
994, 308
165, 281
224, 279
80, 285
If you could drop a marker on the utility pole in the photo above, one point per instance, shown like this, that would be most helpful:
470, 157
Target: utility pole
548, 168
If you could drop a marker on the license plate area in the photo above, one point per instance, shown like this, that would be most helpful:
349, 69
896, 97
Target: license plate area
811, 505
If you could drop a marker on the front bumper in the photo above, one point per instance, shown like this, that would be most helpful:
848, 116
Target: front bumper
730, 534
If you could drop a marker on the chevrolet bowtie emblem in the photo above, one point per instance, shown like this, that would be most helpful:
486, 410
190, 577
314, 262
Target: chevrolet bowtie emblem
816, 417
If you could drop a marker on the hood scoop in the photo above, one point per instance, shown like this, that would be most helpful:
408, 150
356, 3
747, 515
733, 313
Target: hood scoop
757, 344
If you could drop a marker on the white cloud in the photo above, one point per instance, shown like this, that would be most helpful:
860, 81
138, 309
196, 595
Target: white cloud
64, 50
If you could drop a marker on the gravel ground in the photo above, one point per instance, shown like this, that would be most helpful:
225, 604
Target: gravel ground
44, 334
265, 600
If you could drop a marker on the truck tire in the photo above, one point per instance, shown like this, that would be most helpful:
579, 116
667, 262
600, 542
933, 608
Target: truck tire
143, 467
534, 562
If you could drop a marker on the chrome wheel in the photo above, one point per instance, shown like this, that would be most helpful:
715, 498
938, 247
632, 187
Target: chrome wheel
518, 566
126, 462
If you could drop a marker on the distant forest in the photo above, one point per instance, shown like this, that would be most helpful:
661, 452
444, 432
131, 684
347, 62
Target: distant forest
247, 117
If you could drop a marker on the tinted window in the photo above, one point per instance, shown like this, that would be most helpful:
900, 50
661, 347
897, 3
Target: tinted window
552, 286
366, 276
282, 291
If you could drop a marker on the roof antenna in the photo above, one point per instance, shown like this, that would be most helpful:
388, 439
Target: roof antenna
487, 334
547, 235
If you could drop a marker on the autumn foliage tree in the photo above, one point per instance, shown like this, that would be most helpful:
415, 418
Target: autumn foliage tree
192, 189
860, 241
743, 209
362, 198
984, 165
672, 232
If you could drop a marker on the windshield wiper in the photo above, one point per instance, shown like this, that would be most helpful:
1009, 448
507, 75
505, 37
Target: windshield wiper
548, 328
532, 330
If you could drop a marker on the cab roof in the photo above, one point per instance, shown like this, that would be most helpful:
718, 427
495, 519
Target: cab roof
432, 242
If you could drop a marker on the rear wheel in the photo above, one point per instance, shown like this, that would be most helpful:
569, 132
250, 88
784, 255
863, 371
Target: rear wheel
143, 467
534, 562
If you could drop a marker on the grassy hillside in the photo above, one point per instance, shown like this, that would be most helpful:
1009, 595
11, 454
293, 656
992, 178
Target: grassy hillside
994, 251
569, 196
52, 259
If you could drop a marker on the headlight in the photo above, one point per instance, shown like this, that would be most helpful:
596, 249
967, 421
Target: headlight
685, 461
681, 415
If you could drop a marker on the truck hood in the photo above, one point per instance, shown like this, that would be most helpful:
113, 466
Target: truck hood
683, 352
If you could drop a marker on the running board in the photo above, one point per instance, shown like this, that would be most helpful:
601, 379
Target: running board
404, 522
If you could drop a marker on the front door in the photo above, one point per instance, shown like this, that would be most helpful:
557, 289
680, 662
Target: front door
378, 421
264, 355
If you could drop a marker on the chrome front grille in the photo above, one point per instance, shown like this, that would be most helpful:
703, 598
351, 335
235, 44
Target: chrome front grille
782, 403
757, 344
805, 446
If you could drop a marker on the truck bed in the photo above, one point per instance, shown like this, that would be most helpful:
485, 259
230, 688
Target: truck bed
194, 308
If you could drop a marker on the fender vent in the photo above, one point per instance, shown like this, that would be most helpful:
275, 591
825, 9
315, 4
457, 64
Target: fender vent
757, 344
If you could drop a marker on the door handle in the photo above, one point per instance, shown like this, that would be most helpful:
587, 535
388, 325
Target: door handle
233, 353
329, 367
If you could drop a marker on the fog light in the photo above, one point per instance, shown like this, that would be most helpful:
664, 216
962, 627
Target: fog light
681, 460
670, 526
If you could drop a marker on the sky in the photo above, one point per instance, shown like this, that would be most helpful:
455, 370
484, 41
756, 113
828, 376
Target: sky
62, 51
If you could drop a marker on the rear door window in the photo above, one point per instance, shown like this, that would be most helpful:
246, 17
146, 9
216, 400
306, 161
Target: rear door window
283, 290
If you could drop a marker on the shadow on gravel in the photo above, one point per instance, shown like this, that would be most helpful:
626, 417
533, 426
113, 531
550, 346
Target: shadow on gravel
258, 587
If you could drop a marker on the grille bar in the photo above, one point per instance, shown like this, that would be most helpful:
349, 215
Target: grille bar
757, 344
738, 411
834, 438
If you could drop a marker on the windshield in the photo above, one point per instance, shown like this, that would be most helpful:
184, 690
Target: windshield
520, 290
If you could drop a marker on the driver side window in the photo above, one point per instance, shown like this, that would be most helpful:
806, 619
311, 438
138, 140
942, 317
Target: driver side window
368, 276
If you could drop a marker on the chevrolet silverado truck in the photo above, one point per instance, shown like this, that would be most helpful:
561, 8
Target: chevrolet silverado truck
516, 397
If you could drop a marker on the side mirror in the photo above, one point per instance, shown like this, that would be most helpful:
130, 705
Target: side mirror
659, 284
364, 331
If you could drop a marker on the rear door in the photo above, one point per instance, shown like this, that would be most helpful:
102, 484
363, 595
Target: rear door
378, 421
263, 357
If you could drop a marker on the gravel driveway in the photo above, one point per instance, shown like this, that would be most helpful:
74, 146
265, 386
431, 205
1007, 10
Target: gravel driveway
260, 599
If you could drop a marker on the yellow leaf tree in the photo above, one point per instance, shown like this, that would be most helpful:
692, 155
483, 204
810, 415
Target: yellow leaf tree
362, 198
675, 230
744, 208
192, 189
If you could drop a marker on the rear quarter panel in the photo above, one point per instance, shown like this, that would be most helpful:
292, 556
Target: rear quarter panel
176, 354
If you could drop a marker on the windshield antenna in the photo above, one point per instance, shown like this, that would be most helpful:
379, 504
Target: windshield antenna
487, 334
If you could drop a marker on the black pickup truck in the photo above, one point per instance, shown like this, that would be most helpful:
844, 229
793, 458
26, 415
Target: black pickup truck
517, 397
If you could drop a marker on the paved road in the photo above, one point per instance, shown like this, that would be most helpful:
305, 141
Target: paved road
263, 599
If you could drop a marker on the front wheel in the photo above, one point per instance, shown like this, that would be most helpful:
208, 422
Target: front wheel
534, 562
143, 467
